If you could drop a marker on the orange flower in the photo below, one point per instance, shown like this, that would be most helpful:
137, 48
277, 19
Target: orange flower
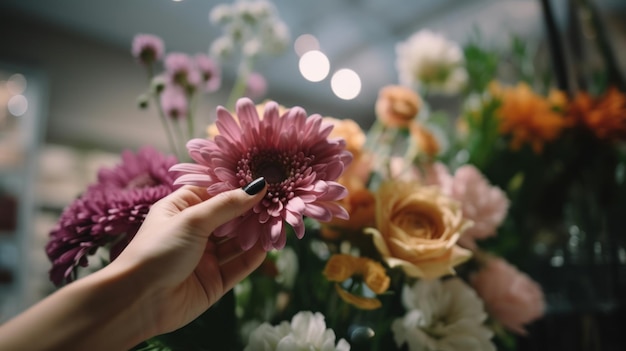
340, 267
354, 136
424, 139
527, 117
605, 117
397, 106
350, 131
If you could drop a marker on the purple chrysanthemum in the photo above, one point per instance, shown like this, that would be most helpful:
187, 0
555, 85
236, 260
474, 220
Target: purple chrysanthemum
109, 212
210, 71
292, 152
147, 48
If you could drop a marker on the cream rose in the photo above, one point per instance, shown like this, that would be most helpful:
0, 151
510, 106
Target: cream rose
417, 228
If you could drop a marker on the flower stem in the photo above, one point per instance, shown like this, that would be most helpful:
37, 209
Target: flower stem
192, 102
166, 127
239, 89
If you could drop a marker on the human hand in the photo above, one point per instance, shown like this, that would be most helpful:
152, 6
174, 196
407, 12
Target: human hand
179, 269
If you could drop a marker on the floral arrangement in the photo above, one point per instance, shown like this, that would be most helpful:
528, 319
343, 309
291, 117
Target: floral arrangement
393, 238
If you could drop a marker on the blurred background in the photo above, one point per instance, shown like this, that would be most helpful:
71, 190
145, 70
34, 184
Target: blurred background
69, 87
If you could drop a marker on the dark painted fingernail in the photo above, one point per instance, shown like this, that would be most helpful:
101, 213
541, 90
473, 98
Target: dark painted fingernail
255, 186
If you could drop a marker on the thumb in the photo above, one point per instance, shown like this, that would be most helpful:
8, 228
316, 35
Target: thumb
221, 208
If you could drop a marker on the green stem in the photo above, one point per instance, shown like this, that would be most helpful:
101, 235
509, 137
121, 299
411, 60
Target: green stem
239, 89
166, 127
192, 101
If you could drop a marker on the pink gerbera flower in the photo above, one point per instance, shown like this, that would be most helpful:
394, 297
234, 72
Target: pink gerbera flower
293, 153
109, 212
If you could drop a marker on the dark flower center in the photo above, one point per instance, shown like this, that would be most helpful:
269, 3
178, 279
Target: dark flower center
282, 170
148, 55
274, 173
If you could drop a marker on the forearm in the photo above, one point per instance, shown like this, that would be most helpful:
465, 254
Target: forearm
102, 311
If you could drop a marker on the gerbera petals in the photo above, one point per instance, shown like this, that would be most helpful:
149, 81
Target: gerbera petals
318, 212
296, 222
194, 179
226, 124
335, 191
247, 114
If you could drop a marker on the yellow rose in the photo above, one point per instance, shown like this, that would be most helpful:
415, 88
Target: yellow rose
417, 228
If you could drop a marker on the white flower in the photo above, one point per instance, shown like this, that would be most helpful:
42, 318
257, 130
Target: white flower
429, 60
287, 265
442, 316
255, 25
221, 14
222, 47
306, 332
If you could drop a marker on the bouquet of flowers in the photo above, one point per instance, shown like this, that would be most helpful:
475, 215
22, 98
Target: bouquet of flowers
392, 238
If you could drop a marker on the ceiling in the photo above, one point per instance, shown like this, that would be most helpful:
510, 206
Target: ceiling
356, 34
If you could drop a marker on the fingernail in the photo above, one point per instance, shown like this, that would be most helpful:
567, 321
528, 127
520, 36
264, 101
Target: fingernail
255, 186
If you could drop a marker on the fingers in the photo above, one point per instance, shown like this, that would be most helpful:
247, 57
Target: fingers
208, 215
239, 267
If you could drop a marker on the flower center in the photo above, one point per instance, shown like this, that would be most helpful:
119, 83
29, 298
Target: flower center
283, 171
143, 180
273, 173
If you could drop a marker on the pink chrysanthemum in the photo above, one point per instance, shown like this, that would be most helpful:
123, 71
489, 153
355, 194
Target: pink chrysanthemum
293, 153
256, 86
109, 212
210, 71
147, 48
174, 102
181, 70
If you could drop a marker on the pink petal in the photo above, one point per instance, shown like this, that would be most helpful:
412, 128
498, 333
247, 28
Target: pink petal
295, 220
335, 191
203, 180
247, 114
296, 205
320, 213
225, 174
189, 167
226, 124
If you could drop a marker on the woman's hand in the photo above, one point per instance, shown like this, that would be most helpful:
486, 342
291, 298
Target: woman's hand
171, 272
174, 257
